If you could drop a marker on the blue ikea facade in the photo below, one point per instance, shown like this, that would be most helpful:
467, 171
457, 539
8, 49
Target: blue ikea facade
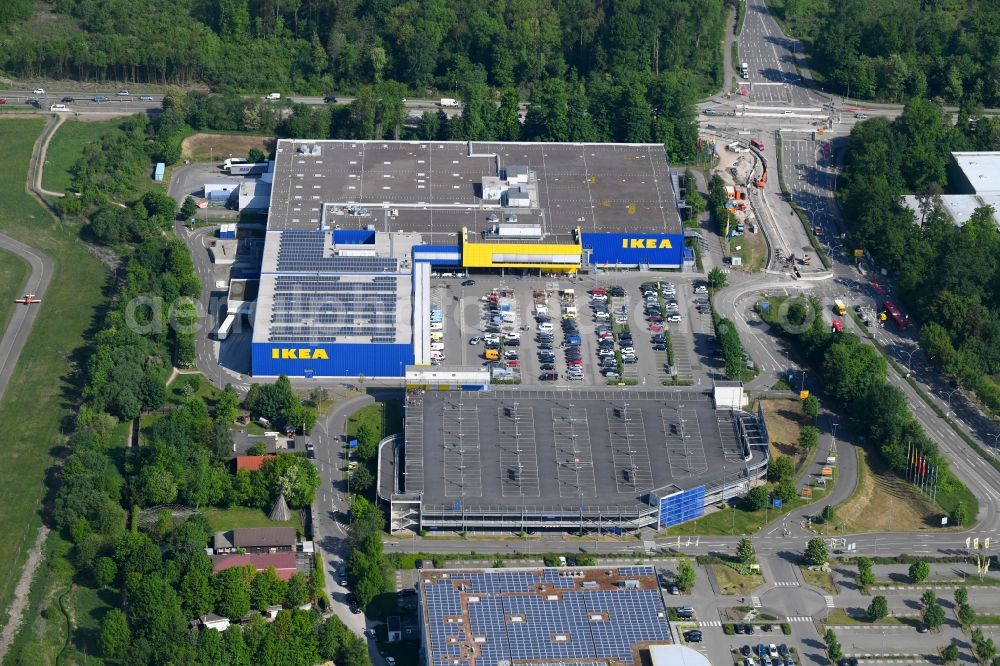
682, 506
628, 250
331, 360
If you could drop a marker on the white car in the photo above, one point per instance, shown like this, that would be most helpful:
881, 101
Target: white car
123, 93
545, 327
391, 661
475, 340
772, 650
674, 318
38, 91
436, 326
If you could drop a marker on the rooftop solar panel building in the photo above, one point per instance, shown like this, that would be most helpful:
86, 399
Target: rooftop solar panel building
589, 461
587, 616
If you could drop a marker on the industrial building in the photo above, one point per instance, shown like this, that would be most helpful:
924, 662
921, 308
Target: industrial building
588, 616
354, 229
974, 182
588, 461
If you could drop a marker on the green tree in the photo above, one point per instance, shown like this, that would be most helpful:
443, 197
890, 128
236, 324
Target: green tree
780, 468
267, 589
833, 648
105, 571
929, 598
919, 571
808, 437
810, 406
816, 553
686, 576
297, 592
758, 498
232, 591
716, 278
785, 490
361, 479
829, 514
745, 552
196, 589
115, 634
961, 595
966, 615
256, 155
878, 608
188, 208
950, 653
866, 576
934, 616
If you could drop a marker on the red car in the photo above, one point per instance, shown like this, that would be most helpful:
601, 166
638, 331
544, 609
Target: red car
574, 362
655, 318
597, 291
3, 100
655, 328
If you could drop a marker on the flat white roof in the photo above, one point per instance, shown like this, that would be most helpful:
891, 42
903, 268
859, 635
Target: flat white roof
982, 169
959, 207
676, 655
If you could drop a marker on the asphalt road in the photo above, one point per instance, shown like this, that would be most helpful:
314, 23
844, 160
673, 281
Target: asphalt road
21, 322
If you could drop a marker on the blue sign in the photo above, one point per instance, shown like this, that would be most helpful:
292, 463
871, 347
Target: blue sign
776, 502
353, 444
633, 249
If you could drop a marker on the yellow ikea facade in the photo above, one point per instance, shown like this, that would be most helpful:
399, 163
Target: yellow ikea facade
556, 257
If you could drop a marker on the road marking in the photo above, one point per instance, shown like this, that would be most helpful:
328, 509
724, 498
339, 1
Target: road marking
798, 618
710, 623
829, 602
755, 601
787, 583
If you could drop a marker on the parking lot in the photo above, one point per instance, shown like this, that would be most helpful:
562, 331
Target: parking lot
616, 328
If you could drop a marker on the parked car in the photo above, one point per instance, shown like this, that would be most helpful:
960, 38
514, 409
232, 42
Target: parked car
549, 376
468, 283
693, 636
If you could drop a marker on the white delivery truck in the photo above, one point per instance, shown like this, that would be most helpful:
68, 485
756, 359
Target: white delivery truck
273, 96
449, 101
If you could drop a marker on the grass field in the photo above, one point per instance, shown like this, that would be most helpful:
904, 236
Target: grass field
38, 401
839, 616
239, 516
732, 582
784, 419
207, 147
67, 145
385, 417
14, 273
883, 501
186, 386
821, 579
734, 522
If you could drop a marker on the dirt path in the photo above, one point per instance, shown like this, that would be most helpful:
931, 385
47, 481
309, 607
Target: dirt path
38, 159
20, 602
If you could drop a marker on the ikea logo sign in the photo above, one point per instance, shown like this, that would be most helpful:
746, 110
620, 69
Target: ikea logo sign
646, 244
300, 354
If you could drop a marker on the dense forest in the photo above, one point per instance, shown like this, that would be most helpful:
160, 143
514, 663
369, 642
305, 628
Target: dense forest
948, 276
894, 50
324, 45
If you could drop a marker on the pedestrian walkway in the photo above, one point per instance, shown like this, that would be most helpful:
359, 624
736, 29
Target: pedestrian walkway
829, 602
710, 623
755, 601
798, 618
787, 583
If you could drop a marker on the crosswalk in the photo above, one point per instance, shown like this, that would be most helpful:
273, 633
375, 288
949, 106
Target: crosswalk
755, 601
787, 583
710, 623
829, 601
798, 618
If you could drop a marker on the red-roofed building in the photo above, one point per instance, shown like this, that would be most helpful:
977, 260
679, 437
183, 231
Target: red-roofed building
252, 463
283, 563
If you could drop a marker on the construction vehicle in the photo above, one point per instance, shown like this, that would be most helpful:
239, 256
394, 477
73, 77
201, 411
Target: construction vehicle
840, 307
762, 181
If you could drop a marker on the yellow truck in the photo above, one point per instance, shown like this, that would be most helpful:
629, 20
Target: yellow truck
840, 307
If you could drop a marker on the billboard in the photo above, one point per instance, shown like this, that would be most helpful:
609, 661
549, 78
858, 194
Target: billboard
682, 506
271, 359
633, 249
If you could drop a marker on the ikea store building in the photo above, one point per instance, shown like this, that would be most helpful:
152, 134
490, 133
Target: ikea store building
355, 228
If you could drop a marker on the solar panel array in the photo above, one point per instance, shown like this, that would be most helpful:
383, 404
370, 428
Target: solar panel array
324, 308
303, 251
496, 618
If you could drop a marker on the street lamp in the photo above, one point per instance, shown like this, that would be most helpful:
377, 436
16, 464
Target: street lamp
996, 438
909, 357
949, 394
